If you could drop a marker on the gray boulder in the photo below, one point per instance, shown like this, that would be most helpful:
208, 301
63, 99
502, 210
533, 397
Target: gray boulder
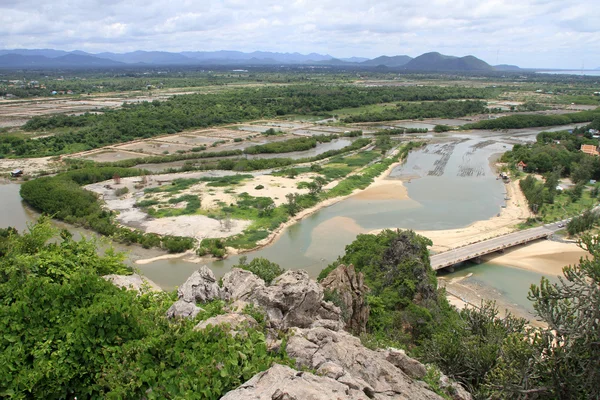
183, 309
239, 284
200, 287
342, 357
351, 289
409, 366
133, 282
283, 383
292, 299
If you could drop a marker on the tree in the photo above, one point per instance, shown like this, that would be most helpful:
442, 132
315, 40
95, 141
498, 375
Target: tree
292, 206
261, 267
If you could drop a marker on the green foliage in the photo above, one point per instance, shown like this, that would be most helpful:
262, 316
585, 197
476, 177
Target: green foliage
215, 247
435, 109
121, 191
583, 222
62, 197
519, 121
569, 367
286, 146
467, 346
261, 267
441, 128
66, 332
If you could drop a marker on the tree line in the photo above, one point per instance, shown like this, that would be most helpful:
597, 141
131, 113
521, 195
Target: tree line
149, 119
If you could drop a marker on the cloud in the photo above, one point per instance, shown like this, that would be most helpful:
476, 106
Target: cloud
529, 33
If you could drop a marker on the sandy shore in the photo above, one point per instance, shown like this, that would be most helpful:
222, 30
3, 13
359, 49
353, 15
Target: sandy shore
376, 187
545, 257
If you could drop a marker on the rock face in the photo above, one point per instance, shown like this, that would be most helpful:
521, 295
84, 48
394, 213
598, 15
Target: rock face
283, 383
133, 282
341, 356
351, 289
409, 366
292, 300
200, 287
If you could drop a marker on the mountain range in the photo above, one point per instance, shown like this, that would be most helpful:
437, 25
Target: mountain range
50, 58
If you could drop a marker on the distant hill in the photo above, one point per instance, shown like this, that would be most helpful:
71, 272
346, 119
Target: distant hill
66, 61
41, 58
438, 62
506, 67
354, 59
50, 53
395, 61
147, 57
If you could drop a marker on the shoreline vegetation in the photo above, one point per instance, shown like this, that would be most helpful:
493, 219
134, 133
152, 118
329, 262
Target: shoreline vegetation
63, 197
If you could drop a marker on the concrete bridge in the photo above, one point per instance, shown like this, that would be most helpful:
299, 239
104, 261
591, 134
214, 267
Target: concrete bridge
476, 250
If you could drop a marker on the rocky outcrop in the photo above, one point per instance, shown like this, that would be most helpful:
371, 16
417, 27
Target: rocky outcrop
183, 309
235, 322
200, 287
283, 383
292, 299
349, 286
133, 282
409, 366
341, 356
239, 284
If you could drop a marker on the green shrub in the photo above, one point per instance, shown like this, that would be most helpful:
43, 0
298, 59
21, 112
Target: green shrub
261, 267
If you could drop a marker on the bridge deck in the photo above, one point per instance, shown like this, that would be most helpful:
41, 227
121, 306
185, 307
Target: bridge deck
455, 256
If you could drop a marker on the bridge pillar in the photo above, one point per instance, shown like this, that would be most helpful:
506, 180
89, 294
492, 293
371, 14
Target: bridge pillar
501, 251
477, 260
450, 268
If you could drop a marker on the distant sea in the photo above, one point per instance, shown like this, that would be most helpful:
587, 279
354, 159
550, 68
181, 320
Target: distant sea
566, 72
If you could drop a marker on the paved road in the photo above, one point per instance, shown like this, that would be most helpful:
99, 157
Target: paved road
475, 250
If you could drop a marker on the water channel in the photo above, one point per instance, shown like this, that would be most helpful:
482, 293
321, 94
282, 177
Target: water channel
450, 185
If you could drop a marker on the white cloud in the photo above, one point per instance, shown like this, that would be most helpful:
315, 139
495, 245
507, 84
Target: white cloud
556, 33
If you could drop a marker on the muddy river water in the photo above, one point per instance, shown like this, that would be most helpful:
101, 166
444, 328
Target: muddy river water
450, 185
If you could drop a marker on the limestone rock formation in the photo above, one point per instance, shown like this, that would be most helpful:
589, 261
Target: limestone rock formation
236, 322
409, 366
292, 299
200, 287
183, 309
133, 282
350, 286
283, 383
341, 356
239, 284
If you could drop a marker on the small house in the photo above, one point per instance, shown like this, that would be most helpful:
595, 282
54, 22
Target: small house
16, 173
590, 149
521, 165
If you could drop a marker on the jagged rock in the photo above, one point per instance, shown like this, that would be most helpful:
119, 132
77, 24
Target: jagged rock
292, 299
133, 282
283, 383
410, 366
351, 289
235, 322
183, 309
200, 287
457, 391
240, 284
362, 369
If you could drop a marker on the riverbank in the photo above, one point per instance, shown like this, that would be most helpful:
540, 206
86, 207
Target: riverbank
380, 185
545, 257
514, 212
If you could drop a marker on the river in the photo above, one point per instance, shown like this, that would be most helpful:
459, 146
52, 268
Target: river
450, 185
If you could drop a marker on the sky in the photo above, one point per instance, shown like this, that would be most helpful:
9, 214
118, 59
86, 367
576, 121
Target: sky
529, 33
